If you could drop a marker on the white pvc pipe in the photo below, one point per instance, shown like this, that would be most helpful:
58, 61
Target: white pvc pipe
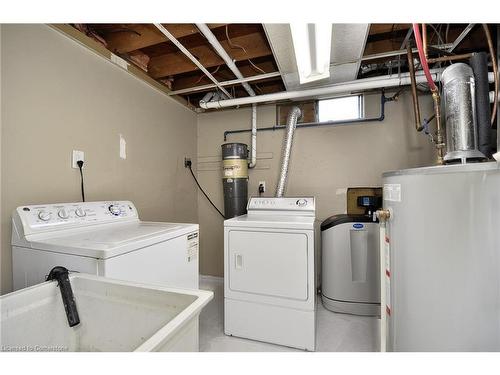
383, 313
205, 30
188, 54
339, 88
226, 83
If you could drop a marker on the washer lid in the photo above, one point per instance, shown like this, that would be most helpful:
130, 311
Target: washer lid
272, 221
112, 240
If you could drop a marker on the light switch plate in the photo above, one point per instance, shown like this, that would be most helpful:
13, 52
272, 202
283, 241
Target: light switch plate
77, 155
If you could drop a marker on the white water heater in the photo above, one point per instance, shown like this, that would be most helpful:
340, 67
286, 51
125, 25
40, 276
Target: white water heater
443, 258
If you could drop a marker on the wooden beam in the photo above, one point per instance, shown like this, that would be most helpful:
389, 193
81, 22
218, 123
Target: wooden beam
382, 28
394, 34
381, 46
130, 37
177, 63
195, 40
224, 74
475, 41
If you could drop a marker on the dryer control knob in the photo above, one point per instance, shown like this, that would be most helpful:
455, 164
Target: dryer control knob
115, 210
80, 212
44, 215
301, 202
63, 214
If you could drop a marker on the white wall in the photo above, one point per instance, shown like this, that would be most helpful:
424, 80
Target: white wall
57, 96
324, 161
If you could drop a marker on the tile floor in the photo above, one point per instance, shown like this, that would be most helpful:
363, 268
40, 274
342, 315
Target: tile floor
335, 332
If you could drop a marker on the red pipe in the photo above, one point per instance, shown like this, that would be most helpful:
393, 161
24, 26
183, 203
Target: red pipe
423, 60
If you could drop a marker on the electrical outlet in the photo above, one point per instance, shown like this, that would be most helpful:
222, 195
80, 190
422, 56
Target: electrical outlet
187, 162
263, 184
77, 155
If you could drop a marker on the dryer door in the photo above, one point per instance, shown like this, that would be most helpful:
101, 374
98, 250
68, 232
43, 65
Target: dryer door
269, 263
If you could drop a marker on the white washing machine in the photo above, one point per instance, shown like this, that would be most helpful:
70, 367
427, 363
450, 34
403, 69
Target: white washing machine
269, 277
102, 238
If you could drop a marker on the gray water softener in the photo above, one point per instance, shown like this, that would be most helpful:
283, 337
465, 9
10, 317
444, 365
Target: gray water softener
350, 261
235, 179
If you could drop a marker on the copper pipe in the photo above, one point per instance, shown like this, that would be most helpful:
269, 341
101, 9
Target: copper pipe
463, 56
439, 131
424, 39
495, 69
414, 94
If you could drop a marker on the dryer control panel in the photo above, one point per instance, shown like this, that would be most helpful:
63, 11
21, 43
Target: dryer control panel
287, 205
47, 217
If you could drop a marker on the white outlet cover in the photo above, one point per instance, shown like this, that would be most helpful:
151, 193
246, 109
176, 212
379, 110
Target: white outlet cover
77, 155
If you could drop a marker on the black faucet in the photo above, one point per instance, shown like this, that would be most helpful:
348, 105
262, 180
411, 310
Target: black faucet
61, 275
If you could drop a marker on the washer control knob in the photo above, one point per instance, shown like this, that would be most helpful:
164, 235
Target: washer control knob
80, 212
115, 210
63, 214
44, 215
301, 202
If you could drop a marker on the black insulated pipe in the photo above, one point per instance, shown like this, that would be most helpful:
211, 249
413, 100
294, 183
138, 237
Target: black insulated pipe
61, 274
479, 65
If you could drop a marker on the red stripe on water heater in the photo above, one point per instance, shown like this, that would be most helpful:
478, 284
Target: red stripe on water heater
386, 239
388, 273
388, 310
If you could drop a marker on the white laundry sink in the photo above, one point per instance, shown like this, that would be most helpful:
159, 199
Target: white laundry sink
114, 316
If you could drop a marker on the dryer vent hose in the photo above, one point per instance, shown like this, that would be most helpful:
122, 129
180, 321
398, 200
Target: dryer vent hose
291, 123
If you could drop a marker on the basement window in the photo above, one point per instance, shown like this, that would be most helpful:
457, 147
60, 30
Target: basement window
339, 109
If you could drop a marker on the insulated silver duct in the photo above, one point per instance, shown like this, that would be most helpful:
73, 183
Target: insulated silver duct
460, 114
291, 123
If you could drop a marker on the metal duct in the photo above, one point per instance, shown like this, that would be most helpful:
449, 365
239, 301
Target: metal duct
291, 123
253, 148
460, 113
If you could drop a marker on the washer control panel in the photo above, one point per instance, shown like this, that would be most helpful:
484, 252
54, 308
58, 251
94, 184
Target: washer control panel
292, 204
41, 217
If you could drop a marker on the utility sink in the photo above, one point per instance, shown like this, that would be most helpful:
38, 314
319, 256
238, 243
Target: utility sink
114, 315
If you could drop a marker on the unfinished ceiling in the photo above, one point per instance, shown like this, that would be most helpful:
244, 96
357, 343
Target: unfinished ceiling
358, 51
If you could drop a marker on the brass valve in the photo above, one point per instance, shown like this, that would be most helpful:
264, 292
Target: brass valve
383, 215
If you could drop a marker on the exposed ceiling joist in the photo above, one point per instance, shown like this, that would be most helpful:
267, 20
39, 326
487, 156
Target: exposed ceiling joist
261, 77
376, 47
192, 80
130, 37
190, 56
176, 63
461, 37
383, 28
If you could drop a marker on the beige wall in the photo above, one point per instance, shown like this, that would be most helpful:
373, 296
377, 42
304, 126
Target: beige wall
324, 161
58, 96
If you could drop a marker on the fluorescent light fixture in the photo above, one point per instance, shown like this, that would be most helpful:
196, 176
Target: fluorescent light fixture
312, 43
